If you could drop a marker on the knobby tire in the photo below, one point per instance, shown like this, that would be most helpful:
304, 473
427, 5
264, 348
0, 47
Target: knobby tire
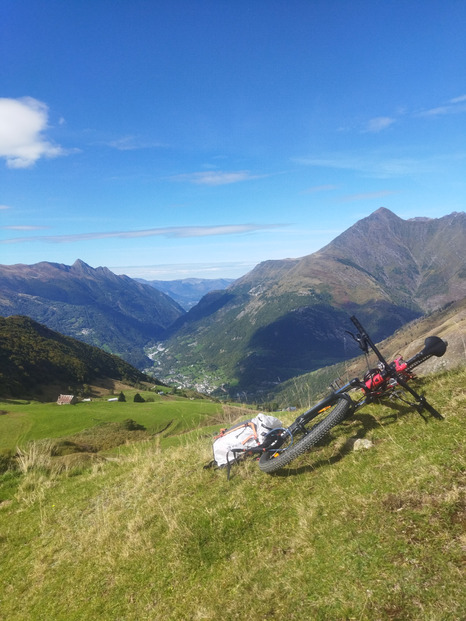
269, 464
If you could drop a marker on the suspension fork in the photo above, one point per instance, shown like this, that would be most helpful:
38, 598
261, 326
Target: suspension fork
421, 402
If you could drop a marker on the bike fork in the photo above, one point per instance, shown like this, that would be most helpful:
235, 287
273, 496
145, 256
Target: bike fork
421, 403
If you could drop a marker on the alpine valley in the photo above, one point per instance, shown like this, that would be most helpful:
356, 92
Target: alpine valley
283, 319
289, 317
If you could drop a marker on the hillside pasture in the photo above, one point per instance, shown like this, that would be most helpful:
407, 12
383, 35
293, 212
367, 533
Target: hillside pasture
339, 534
25, 421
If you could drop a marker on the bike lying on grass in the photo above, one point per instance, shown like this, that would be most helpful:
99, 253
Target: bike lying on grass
281, 446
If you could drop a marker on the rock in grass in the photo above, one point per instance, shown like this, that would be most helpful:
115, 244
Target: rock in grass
362, 443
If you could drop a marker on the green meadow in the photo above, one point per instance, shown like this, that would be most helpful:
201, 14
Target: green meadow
26, 421
147, 533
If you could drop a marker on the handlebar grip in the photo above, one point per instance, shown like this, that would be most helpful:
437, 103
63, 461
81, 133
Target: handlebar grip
357, 324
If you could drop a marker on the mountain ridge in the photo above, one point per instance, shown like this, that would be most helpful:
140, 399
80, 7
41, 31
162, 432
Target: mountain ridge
91, 304
282, 319
285, 318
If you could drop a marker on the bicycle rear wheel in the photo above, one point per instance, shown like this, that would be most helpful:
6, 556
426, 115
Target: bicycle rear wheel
270, 461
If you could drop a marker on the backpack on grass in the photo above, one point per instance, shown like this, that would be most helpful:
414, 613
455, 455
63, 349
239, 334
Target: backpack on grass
233, 443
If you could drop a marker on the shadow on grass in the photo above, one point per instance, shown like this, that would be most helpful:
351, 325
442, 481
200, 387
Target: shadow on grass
367, 422
15, 401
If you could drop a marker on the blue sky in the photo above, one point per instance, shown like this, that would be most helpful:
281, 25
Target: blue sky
176, 139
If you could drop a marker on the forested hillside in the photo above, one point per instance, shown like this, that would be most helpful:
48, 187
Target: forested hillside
33, 357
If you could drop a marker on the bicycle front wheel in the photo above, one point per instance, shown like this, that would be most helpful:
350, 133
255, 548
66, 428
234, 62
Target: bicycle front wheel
270, 461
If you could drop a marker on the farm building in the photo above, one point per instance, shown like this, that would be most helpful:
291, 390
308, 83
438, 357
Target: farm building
66, 400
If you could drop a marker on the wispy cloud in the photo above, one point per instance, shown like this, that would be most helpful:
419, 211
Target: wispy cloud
174, 231
175, 271
127, 143
23, 227
22, 125
320, 188
4, 207
379, 123
459, 99
365, 196
375, 165
457, 105
131, 143
214, 177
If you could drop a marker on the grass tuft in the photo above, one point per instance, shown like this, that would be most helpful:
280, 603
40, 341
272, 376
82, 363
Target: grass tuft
35, 456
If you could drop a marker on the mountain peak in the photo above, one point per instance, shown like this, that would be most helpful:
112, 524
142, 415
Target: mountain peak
383, 212
79, 265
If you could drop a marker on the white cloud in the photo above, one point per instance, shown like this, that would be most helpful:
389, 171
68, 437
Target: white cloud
379, 123
174, 231
213, 177
4, 207
22, 123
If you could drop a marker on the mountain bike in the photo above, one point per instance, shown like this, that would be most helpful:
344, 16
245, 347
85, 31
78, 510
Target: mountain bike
386, 380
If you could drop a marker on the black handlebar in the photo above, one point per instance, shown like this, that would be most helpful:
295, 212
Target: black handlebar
433, 346
365, 340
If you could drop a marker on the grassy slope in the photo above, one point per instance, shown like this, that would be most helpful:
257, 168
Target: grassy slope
375, 534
